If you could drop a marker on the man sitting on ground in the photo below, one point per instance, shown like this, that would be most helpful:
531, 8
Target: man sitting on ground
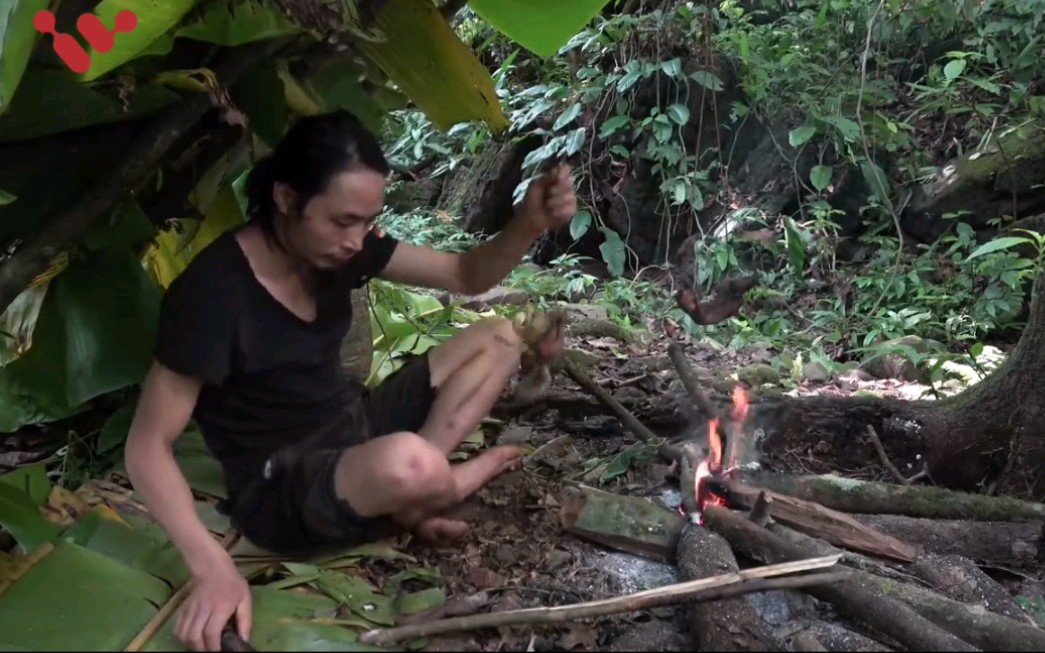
249, 345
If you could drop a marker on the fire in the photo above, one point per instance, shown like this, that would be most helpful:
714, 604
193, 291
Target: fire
712, 464
715, 443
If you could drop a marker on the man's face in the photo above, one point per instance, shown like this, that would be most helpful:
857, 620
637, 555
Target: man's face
333, 224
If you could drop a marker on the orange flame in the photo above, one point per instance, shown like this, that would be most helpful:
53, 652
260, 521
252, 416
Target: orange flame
740, 404
714, 442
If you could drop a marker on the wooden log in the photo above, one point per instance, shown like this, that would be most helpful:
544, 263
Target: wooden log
855, 496
955, 577
959, 579
853, 600
729, 625
835, 637
986, 630
1019, 545
630, 524
830, 525
848, 558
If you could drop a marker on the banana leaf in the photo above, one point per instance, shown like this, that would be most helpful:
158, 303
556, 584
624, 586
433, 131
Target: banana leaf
52, 101
76, 598
424, 57
138, 546
239, 22
540, 26
282, 621
21, 517
168, 256
31, 479
94, 335
17, 39
154, 20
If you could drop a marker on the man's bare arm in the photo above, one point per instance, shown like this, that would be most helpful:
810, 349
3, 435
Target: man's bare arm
468, 273
163, 411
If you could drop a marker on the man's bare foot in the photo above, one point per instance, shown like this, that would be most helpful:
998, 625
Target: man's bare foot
439, 531
509, 454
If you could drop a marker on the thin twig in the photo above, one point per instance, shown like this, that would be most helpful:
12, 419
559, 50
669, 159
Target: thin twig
706, 589
689, 380
629, 421
900, 478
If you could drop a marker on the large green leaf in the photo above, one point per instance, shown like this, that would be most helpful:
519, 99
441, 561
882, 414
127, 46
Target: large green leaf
94, 334
31, 479
110, 310
336, 83
17, 38
147, 549
21, 517
78, 598
541, 26
423, 56
282, 621
155, 18
51, 101
127, 225
239, 22
260, 95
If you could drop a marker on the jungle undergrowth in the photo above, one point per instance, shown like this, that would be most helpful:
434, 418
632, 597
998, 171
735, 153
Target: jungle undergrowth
860, 102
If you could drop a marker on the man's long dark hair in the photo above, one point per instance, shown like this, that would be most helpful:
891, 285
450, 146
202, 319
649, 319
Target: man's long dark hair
313, 150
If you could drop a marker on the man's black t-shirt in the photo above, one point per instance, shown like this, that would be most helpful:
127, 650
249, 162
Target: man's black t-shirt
269, 377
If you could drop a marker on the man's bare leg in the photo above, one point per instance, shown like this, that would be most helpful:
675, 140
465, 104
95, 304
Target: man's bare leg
408, 478
471, 371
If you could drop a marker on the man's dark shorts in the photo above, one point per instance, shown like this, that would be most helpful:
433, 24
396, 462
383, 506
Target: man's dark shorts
292, 508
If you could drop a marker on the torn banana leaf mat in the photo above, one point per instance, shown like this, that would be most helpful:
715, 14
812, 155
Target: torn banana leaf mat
93, 571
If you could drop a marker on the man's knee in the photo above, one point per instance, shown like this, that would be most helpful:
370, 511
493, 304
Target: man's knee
409, 471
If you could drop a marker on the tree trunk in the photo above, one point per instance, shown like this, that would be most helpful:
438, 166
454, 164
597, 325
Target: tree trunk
357, 349
994, 432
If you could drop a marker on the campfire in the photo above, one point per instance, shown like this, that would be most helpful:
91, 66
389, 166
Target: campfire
912, 556
709, 472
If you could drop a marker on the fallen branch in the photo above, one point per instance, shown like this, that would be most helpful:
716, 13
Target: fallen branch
62, 230
959, 579
727, 625
1002, 544
884, 457
849, 495
838, 638
830, 525
974, 624
853, 600
759, 579
628, 420
689, 380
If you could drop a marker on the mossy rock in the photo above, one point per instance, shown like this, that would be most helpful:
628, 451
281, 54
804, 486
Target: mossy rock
758, 374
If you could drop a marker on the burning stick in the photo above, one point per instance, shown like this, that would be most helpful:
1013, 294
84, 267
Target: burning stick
759, 579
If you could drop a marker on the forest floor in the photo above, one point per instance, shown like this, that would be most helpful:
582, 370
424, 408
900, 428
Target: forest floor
518, 553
